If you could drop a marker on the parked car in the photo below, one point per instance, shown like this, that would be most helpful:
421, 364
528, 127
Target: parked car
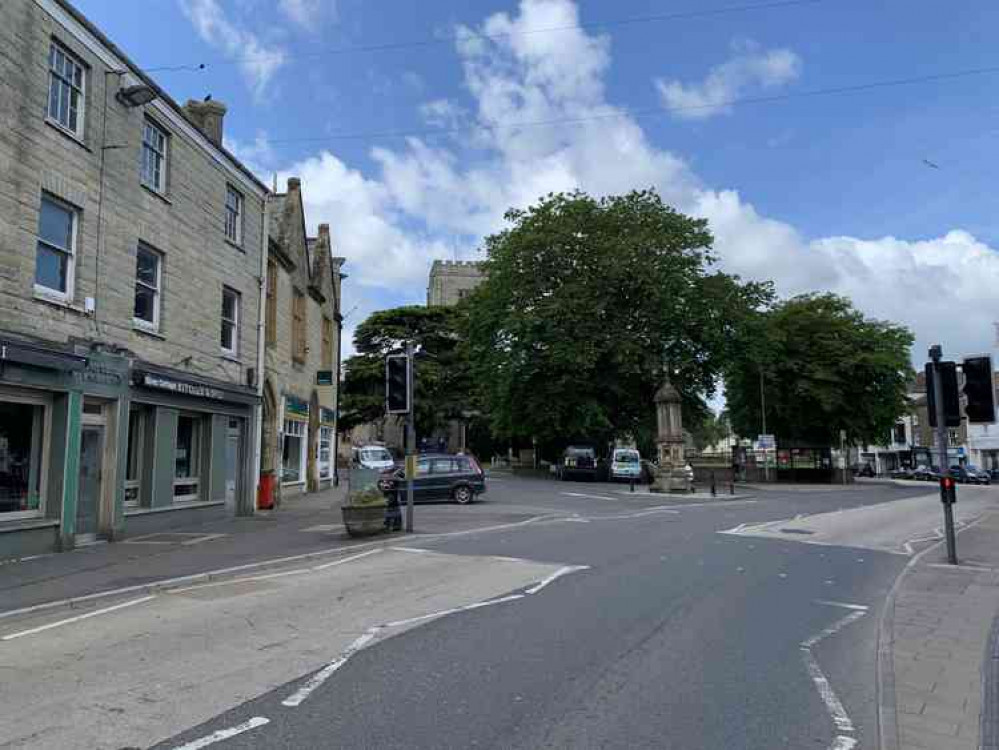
626, 465
439, 476
926, 473
903, 473
863, 470
374, 457
578, 462
969, 474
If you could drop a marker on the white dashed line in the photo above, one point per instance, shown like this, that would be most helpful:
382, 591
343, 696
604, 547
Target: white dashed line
224, 734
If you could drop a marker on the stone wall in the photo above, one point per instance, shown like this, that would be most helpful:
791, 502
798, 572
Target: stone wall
185, 224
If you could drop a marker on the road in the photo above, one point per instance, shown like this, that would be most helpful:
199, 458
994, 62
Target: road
607, 620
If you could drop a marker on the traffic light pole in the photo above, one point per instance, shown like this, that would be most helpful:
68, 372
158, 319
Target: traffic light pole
410, 439
945, 480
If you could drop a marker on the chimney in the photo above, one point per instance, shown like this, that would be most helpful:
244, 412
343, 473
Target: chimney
294, 185
208, 117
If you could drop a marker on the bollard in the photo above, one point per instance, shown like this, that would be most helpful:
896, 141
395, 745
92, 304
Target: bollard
731, 486
632, 484
714, 491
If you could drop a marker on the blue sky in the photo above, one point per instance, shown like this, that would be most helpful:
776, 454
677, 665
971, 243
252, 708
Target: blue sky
823, 192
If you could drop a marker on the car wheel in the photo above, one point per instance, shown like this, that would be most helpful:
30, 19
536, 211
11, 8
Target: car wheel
463, 494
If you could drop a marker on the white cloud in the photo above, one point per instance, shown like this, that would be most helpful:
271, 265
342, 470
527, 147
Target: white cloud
306, 13
258, 60
391, 224
748, 69
257, 155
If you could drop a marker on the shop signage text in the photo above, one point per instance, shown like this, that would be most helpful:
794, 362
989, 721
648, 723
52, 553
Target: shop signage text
179, 386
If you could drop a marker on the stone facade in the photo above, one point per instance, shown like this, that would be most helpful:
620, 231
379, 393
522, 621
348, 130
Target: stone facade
162, 413
452, 280
294, 400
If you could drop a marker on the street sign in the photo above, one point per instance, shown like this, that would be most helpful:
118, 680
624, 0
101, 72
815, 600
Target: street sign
766, 442
410, 466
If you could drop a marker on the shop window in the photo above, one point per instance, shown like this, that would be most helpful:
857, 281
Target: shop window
324, 452
134, 460
21, 459
293, 452
187, 464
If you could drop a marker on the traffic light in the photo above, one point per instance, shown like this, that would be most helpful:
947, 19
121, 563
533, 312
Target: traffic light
397, 384
948, 490
979, 390
951, 397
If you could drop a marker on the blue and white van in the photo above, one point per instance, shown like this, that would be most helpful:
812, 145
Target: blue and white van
626, 465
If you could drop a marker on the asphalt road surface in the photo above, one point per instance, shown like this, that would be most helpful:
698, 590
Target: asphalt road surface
609, 621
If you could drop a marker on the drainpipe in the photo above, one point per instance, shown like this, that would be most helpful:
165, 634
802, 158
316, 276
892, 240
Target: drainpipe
336, 395
261, 346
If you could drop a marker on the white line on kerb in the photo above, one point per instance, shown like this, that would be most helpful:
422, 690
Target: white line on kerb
77, 618
557, 574
224, 734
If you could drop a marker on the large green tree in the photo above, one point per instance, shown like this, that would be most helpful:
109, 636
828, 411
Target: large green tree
823, 367
586, 301
442, 377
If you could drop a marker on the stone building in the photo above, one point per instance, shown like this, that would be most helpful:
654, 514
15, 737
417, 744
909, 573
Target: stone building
131, 260
452, 280
302, 334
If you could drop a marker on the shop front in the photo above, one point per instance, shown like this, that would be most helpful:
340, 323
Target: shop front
60, 418
186, 455
294, 444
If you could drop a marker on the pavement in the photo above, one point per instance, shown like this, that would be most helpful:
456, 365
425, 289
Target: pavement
939, 655
550, 615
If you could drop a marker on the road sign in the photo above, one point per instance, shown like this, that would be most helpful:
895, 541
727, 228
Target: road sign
410, 466
766, 442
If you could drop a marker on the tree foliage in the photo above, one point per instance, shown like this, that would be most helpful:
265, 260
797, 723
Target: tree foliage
825, 368
442, 377
586, 301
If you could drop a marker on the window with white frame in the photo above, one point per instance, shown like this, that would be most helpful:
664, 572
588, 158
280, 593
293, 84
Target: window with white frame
230, 321
67, 79
56, 250
293, 452
148, 276
324, 450
233, 215
187, 464
22, 456
154, 153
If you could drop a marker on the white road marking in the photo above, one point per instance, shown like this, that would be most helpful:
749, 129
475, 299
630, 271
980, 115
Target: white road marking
832, 702
224, 734
556, 575
583, 494
324, 566
415, 549
843, 605
77, 618
202, 538
826, 693
296, 698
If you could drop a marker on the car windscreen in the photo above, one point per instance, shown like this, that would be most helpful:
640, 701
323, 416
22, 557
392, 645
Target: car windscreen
580, 452
626, 457
376, 454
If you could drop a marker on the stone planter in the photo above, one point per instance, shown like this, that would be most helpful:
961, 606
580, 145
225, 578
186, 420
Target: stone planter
364, 520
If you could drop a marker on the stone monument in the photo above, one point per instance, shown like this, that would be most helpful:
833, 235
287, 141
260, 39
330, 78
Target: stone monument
671, 475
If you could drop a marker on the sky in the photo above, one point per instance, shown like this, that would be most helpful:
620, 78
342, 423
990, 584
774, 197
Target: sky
833, 145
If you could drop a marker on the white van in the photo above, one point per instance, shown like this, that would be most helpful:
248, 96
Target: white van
626, 464
374, 457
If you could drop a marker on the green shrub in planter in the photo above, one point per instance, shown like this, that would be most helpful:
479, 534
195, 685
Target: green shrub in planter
364, 512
